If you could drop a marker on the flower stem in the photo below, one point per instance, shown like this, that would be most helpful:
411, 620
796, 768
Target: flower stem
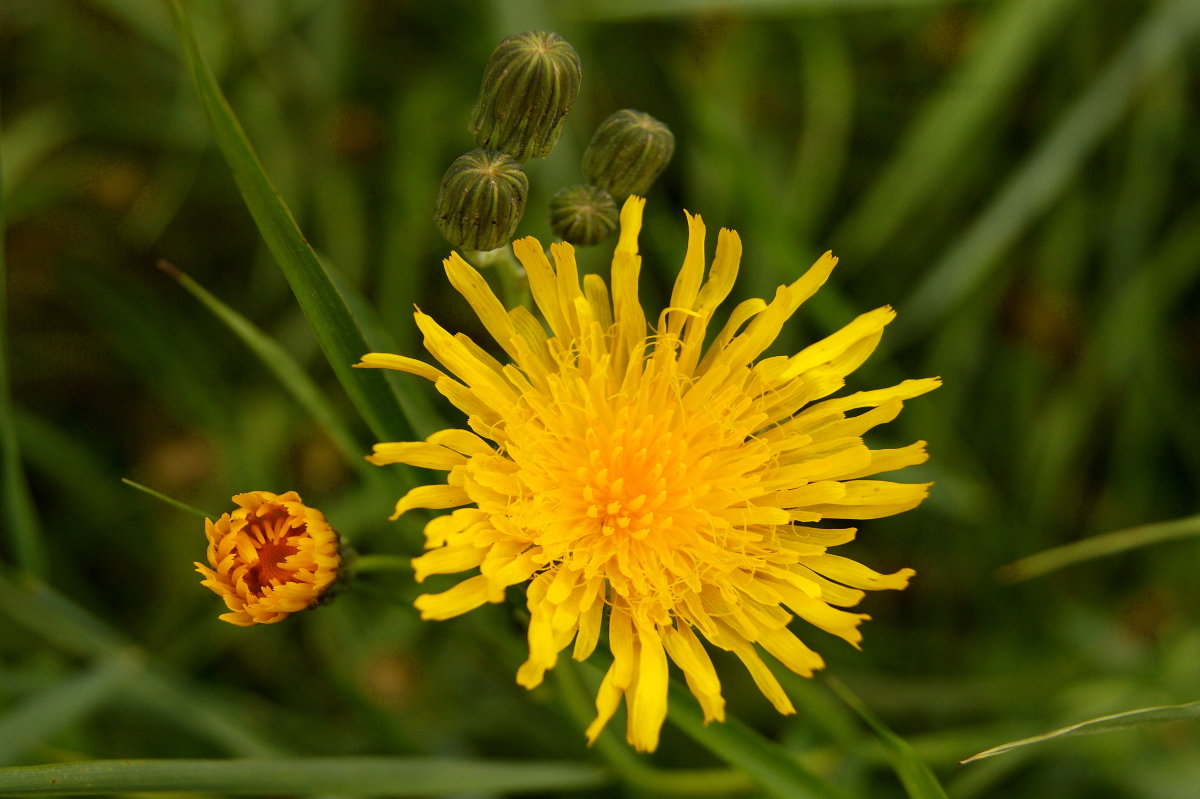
381, 563
514, 284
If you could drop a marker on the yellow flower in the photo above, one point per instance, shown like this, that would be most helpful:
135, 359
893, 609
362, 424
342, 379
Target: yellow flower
615, 467
272, 556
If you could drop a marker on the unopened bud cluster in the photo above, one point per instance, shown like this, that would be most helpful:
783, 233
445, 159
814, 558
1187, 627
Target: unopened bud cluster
627, 153
529, 85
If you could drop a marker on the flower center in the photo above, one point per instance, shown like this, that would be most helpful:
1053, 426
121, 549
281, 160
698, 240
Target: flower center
269, 544
270, 565
632, 472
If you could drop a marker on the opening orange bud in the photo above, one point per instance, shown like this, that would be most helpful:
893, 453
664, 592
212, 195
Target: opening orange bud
271, 557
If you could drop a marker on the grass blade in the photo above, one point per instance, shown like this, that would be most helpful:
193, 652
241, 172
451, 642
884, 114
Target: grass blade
334, 326
42, 716
918, 780
20, 516
285, 368
73, 629
1118, 721
1049, 170
1098, 547
352, 775
766, 762
949, 122
183, 506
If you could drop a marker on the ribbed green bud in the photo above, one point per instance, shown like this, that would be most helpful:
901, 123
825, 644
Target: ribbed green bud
481, 200
529, 85
628, 151
583, 215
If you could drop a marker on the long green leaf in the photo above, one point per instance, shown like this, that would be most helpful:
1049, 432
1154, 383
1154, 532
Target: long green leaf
1118, 721
919, 782
1098, 547
183, 506
334, 326
352, 775
953, 118
19, 514
73, 629
766, 762
1150, 49
43, 715
279, 361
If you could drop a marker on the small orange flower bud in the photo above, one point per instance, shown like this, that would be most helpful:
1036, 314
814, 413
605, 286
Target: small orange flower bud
272, 556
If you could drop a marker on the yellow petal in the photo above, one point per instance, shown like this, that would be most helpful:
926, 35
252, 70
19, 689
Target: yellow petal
466, 596
649, 706
865, 326
852, 573
832, 620
384, 360
543, 283
590, 622
889, 460
596, 291
463, 441
608, 697
688, 653
687, 282
767, 683
873, 499
433, 497
464, 360
476, 291
416, 453
631, 224
791, 651
447, 560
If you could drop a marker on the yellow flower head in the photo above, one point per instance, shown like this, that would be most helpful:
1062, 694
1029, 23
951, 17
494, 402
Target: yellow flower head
272, 556
617, 468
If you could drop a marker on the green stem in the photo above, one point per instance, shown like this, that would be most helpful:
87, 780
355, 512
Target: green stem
21, 516
169, 500
1097, 547
514, 283
364, 564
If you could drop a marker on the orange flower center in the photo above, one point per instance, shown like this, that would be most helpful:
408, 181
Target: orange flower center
270, 537
269, 567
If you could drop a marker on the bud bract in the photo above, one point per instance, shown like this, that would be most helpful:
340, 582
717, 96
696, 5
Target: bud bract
628, 151
583, 215
529, 85
481, 200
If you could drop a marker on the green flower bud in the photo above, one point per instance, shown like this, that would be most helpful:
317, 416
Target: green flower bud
583, 215
529, 85
628, 151
481, 200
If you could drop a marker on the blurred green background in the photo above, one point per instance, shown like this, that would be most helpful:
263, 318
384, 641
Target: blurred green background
1019, 178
